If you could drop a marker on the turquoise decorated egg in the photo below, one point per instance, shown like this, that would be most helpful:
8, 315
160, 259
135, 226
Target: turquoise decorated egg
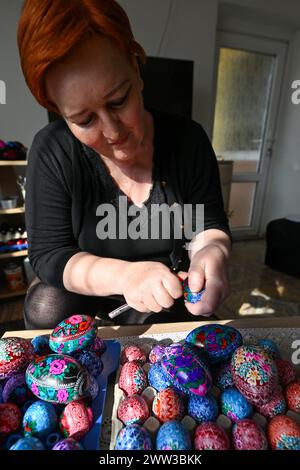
39, 420
133, 437
283, 433
28, 443
203, 408
57, 378
133, 410
276, 406
168, 405
15, 355
172, 435
217, 341
247, 435
157, 377
133, 379
186, 370
73, 334
234, 405
210, 436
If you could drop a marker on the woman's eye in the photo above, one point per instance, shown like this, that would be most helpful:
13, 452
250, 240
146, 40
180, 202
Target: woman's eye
86, 123
116, 104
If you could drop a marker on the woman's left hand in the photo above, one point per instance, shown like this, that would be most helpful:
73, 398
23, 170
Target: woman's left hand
208, 269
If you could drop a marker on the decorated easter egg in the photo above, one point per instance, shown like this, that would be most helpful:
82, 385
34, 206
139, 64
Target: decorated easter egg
133, 410
15, 355
90, 361
218, 341
41, 345
76, 420
270, 347
292, 393
73, 334
189, 296
28, 443
276, 406
156, 353
1, 391
254, 374
57, 378
10, 419
133, 379
12, 439
98, 346
172, 435
93, 389
222, 376
52, 439
16, 390
39, 420
210, 436
235, 405
133, 437
203, 408
133, 353
187, 371
67, 444
247, 435
157, 377
168, 405
283, 433
286, 372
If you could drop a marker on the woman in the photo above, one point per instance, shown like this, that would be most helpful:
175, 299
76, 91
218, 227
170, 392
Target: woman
80, 60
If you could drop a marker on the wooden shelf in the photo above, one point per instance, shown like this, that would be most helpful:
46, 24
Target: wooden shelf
16, 210
13, 163
6, 294
14, 254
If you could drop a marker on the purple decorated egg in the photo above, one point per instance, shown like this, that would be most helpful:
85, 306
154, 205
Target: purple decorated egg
133, 353
210, 436
133, 410
10, 419
286, 372
16, 390
186, 370
133, 379
98, 346
276, 406
57, 378
292, 393
39, 420
156, 353
15, 355
168, 405
73, 334
67, 444
217, 341
76, 420
133, 437
247, 435
254, 374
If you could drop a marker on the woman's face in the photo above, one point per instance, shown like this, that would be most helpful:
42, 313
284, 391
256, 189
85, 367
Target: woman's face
98, 93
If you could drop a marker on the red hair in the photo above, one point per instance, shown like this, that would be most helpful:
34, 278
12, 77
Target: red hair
49, 29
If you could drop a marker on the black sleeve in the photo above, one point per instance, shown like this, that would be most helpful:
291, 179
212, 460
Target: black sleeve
48, 211
203, 179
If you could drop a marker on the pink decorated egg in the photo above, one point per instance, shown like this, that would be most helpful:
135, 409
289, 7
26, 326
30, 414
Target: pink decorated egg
276, 406
292, 393
10, 419
156, 353
133, 379
286, 372
133, 410
283, 433
254, 374
15, 355
168, 405
73, 334
76, 420
133, 353
210, 436
247, 435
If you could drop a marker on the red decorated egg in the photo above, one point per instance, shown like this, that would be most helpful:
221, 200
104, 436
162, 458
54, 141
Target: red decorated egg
210, 436
73, 334
247, 435
15, 355
10, 419
286, 372
133, 379
168, 405
292, 393
133, 410
283, 433
76, 420
276, 406
133, 353
254, 374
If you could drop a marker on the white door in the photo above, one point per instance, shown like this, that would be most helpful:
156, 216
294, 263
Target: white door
249, 76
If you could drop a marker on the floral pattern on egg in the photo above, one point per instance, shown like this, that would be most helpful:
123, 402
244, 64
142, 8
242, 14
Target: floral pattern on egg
15, 355
73, 334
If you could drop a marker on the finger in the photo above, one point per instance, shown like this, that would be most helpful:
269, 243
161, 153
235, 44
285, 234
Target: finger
163, 297
173, 285
210, 300
182, 275
138, 306
152, 304
196, 279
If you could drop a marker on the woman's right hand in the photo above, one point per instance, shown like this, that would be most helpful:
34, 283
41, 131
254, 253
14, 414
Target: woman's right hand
150, 286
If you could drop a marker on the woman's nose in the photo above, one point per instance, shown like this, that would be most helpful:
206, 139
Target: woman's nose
110, 126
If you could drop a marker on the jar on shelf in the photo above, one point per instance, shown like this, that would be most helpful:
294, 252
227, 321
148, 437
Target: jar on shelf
14, 277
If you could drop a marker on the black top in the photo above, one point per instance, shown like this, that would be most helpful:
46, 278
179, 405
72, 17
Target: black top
66, 181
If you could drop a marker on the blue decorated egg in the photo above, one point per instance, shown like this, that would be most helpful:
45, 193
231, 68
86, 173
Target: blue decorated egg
133, 437
172, 435
15, 355
189, 296
203, 409
11, 440
254, 374
270, 347
235, 405
217, 341
39, 420
90, 361
57, 378
157, 377
93, 388
186, 370
28, 443
222, 376
73, 334
41, 345
67, 444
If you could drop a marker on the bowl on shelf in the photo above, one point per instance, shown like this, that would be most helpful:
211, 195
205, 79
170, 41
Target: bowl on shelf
9, 202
